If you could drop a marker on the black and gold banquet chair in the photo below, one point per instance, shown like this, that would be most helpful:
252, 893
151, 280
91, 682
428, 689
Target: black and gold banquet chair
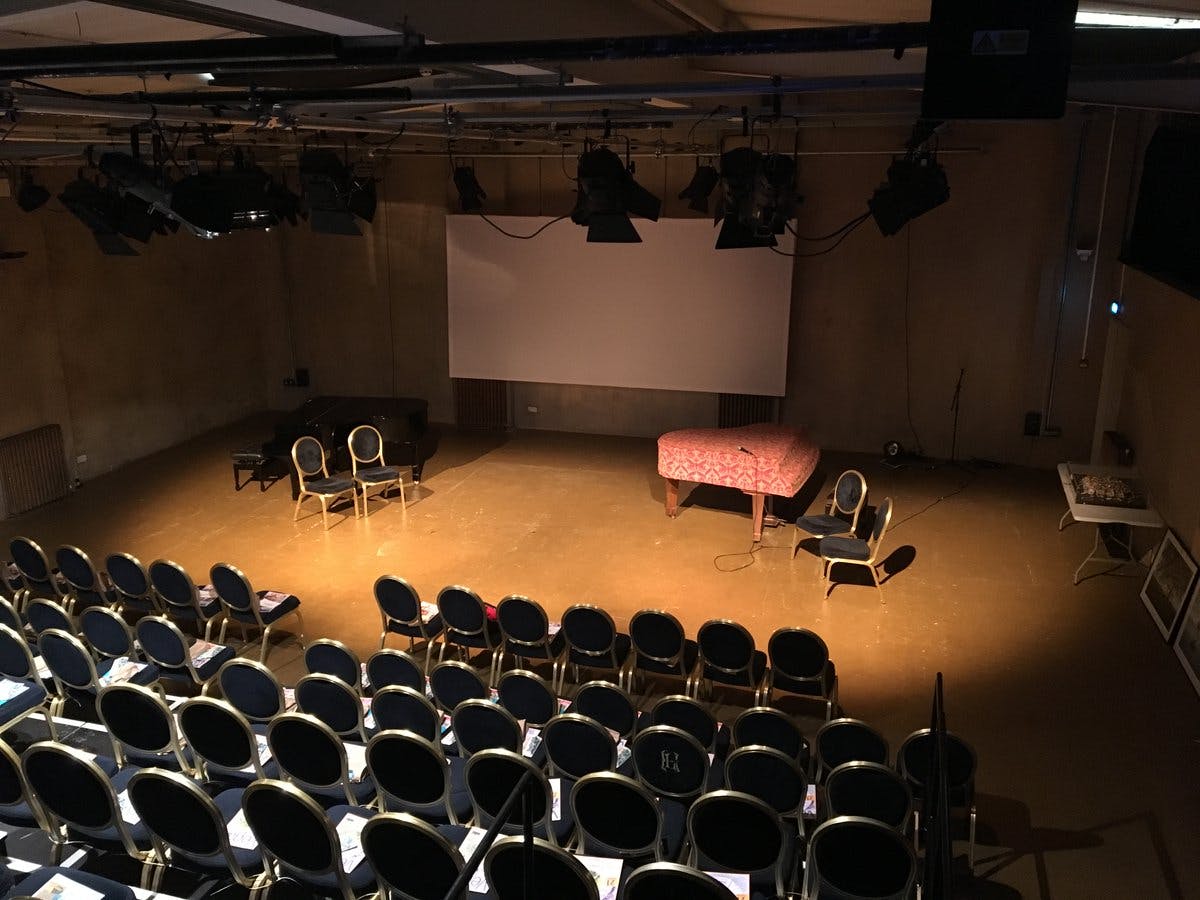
371, 474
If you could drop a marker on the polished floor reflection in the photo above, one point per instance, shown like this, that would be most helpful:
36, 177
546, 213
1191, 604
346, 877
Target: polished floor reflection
1085, 726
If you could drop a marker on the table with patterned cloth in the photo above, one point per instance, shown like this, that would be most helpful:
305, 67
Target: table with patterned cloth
760, 460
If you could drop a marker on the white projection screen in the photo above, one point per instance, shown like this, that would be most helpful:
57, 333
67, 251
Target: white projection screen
669, 313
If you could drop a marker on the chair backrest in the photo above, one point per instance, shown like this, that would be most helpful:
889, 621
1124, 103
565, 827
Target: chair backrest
77, 568
106, 632
836, 852
492, 775
735, 832
43, 614
174, 586
670, 762
849, 495
180, 815
590, 631
848, 740
294, 830
333, 702
608, 704
883, 518
31, 561
397, 599
523, 622
914, 758
481, 725
726, 646
454, 682
14, 790
386, 668
325, 656
138, 719
527, 696
308, 456
577, 746
410, 858
687, 714
658, 635
462, 610
664, 879
798, 654
559, 874
769, 727
769, 775
233, 587
870, 790
410, 772
163, 642
219, 736
128, 575
252, 689
616, 816
309, 753
403, 709
16, 659
9, 615
68, 659
73, 789
366, 446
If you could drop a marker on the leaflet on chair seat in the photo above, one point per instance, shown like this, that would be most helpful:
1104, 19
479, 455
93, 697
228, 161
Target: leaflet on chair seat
60, 887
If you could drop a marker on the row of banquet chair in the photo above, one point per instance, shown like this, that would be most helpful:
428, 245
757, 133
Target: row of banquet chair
796, 659
735, 813
164, 588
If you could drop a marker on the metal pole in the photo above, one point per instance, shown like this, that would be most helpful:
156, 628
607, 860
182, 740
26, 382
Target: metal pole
1087, 319
458, 889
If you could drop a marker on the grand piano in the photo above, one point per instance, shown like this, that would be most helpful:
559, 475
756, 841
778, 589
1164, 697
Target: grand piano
762, 460
402, 421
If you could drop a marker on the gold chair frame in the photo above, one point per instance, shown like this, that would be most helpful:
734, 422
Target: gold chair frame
326, 498
379, 487
832, 508
873, 543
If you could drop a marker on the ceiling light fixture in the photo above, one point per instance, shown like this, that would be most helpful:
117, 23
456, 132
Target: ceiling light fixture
334, 195
607, 194
470, 194
759, 197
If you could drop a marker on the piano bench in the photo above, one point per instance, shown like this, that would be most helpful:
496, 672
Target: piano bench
264, 469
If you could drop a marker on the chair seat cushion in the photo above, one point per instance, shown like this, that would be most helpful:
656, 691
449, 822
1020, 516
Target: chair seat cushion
758, 667
674, 827
432, 627
288, 604
460, 798
377, 474
621, 645
542, 651
823, 526
361, 877
688, 662
328, 486
18, 814
489, 637
147, 675
137, 831
845, 548
31, 697
105, 887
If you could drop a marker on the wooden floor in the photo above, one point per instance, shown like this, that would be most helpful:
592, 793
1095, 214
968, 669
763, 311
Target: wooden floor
1085, 726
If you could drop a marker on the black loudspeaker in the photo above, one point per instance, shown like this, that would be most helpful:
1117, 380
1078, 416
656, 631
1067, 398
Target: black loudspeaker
998, 59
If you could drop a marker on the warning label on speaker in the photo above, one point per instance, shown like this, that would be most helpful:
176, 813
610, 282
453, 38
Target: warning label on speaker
1002, 42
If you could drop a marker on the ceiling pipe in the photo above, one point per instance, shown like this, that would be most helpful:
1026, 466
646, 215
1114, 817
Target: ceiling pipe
324, 51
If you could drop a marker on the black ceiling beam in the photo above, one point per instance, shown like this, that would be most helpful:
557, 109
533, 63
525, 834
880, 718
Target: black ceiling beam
318, 51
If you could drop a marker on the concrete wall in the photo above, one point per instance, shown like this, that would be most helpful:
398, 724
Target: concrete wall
130, 354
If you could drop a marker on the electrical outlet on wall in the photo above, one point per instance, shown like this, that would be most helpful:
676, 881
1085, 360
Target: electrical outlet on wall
81, 458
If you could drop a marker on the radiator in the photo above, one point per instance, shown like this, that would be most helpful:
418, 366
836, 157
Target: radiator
481, 403
33, 469
735, 410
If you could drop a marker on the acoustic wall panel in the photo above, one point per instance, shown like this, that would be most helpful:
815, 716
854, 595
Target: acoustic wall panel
669, 313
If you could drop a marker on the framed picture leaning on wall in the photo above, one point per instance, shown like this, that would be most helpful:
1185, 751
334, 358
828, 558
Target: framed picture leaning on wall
1168, 584
1187, 639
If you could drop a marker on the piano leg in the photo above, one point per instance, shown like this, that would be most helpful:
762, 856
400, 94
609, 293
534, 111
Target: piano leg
672, 496
757, 506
